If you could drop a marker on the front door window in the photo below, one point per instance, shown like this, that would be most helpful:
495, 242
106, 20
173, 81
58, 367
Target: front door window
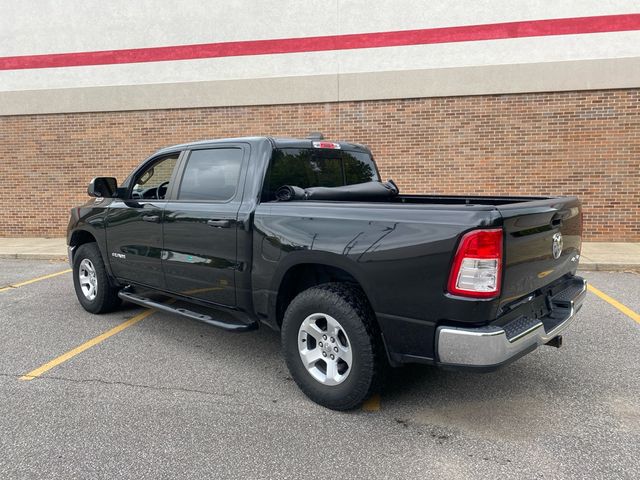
153, 182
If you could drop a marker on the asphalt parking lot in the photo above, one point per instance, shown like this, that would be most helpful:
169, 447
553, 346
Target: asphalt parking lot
167, 397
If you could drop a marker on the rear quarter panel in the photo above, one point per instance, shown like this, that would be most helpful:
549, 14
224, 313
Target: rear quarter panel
400, 254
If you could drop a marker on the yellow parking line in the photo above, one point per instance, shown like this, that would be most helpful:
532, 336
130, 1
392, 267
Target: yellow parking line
372, 404
623, 308
33, 280
81, 348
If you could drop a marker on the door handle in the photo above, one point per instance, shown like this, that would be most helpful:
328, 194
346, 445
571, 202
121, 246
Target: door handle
151, 218
219, 223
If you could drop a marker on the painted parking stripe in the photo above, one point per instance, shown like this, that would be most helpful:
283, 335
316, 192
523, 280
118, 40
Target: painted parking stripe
612, 301
85, 346
372, 404
33, 280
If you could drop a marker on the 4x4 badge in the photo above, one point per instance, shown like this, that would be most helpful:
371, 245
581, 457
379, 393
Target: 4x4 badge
556, 246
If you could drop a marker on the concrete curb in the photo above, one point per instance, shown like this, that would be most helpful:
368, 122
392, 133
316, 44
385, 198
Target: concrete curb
34, 256
585, 267
610, 267
599, 257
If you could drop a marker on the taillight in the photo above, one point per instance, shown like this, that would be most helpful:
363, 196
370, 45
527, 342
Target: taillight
477, 265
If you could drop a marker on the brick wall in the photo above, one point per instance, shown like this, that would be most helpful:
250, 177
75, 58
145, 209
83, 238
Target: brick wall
579, 143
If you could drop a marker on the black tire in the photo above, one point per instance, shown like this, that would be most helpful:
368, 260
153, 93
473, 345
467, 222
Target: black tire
348, 305
106, 297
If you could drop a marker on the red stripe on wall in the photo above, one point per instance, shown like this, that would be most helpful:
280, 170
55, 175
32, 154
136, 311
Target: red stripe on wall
469, 33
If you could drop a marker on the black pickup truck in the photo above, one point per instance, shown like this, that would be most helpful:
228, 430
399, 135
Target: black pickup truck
303, 236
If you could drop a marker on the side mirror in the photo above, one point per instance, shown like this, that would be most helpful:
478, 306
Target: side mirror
104, 187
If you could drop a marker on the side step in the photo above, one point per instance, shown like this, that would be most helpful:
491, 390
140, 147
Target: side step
146, 302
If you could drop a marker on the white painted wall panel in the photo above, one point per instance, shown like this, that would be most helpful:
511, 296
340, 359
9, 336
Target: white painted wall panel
384, 15
63, 26
492, 52
56, 26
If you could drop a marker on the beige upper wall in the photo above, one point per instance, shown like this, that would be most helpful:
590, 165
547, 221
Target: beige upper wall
602, 60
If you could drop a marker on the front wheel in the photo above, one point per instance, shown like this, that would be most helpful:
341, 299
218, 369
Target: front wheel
91, 281
331, 345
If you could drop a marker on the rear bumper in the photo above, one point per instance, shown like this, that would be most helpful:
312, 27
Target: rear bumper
492, 346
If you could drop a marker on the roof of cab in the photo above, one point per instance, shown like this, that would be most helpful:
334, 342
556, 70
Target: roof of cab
276, 143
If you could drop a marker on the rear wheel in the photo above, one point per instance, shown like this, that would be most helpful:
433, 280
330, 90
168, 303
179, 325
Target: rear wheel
91, 281
331, 345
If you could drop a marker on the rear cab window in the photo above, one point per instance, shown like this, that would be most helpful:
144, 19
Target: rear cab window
312, 167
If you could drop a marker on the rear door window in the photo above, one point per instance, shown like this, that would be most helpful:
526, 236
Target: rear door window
211, 175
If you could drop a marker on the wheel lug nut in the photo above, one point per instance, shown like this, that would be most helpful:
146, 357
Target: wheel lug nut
335, 349
320, 343
324, 354
333, 340
324, 337
333, 357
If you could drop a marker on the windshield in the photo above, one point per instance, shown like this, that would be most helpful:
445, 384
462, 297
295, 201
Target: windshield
312, 167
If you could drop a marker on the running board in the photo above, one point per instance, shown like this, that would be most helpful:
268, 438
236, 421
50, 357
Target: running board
146, 302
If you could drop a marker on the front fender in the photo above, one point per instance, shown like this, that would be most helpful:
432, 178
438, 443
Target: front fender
88, 221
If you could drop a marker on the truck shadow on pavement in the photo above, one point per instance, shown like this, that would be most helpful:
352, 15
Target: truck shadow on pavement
512, 402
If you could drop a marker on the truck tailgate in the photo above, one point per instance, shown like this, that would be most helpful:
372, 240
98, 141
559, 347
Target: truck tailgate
542, 243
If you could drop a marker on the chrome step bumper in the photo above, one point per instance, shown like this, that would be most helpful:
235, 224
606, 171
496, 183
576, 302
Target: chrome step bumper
492, 346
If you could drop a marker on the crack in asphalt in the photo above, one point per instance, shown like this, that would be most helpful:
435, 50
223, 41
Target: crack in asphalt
266, 405
121, 383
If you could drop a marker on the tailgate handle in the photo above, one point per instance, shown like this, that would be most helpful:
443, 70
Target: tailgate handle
219, 223
151, 218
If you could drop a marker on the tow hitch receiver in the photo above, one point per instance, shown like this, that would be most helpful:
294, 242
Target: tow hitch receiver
555, 342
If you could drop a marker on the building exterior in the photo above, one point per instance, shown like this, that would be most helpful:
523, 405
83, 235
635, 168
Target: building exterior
460, 97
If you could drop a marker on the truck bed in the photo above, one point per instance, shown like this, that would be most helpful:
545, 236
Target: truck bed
463, 199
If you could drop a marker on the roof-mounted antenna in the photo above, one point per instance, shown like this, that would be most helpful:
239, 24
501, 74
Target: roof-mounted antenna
315, 136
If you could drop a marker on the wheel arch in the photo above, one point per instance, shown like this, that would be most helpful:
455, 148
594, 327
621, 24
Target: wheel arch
305, 271
80, 237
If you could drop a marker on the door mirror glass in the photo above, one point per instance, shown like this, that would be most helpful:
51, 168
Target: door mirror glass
104, 187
